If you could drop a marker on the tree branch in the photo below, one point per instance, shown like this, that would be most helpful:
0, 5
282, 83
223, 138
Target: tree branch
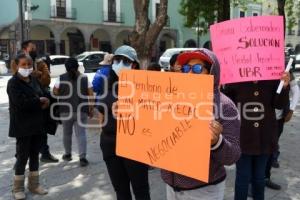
159, 22
141, 15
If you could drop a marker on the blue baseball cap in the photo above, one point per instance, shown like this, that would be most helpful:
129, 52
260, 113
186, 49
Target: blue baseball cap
128, 52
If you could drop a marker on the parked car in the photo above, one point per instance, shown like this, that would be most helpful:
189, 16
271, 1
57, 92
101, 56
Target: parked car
3, 68
297, 63
166, 56
91, 60
57, 66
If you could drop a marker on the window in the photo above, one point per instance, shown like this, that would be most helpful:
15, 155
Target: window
61, 8
112, 13
242, 14
291, 32
59, 61
61, 3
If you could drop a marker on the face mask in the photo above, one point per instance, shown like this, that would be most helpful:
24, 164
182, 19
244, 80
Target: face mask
118, 66
33, 55
25, 72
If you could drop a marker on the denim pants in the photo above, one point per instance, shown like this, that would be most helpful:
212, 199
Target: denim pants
79, 130
250, 169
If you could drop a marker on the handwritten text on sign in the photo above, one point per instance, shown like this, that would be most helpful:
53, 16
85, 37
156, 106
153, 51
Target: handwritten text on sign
163, 119
249, 49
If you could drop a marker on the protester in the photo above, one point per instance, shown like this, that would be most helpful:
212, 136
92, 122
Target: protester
122, 171
225, 146
101, 74
74, 109
29, 48
41, 72
258, 101
26, 103
282, 117
154, 67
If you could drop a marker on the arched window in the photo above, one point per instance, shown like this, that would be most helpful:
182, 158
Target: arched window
190, 44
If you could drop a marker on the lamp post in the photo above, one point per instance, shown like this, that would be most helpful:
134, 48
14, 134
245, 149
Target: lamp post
21, 21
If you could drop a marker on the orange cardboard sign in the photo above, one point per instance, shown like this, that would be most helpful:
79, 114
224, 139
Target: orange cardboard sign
163, 120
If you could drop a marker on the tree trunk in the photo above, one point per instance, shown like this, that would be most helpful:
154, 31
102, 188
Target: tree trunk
281, 7
226, 10
220, 10
145, 34
223, 10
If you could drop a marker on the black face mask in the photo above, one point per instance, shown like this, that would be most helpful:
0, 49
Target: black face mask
33, 55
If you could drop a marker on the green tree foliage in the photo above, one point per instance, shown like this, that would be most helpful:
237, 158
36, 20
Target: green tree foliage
292, 11
206, 12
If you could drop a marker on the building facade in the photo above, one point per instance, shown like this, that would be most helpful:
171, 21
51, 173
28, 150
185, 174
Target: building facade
252, 8
73, 26
292, 37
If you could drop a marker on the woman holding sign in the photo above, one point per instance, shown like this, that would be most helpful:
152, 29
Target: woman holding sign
225, 131
122, 171
258, 101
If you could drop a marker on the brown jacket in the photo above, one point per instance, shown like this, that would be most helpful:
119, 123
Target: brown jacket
258, 127
40, 72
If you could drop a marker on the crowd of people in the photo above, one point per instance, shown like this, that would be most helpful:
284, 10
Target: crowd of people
249, 142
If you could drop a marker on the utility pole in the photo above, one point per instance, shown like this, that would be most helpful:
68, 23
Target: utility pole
21, 21
27, 18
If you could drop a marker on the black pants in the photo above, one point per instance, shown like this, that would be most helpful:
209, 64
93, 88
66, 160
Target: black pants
27, 149
44, 145
124, 172
275, 155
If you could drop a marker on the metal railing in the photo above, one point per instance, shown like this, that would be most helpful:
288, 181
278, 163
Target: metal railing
63, 13
113, 17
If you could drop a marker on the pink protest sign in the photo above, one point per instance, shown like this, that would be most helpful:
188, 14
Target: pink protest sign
249, 49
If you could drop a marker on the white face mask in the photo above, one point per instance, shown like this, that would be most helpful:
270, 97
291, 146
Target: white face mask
25, 72
118, 66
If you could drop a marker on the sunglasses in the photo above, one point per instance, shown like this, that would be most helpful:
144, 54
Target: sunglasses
126, 61
196, 69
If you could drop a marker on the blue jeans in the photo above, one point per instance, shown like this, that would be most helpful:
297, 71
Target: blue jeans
250, 168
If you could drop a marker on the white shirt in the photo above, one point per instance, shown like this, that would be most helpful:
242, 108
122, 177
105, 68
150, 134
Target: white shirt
294, 98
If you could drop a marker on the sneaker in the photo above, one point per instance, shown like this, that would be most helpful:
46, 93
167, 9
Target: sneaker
48, 158
83, 162
272, 185
67, 157
275, 164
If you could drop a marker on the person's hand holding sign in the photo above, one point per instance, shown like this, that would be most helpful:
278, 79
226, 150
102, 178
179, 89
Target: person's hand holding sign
216, 130
286, 77
45, 102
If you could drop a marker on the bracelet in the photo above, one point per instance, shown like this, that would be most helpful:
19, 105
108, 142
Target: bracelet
216, 146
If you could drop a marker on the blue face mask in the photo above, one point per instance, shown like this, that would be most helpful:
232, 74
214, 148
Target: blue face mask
118, 66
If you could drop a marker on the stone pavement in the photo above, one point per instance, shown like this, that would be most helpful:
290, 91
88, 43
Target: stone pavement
67, 181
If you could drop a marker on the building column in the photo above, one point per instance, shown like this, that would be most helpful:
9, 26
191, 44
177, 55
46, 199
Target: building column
86, 37
57, 47
88, 46
57, 41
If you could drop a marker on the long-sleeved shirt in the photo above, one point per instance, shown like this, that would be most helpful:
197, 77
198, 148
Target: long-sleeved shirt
226, 154
294, 98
